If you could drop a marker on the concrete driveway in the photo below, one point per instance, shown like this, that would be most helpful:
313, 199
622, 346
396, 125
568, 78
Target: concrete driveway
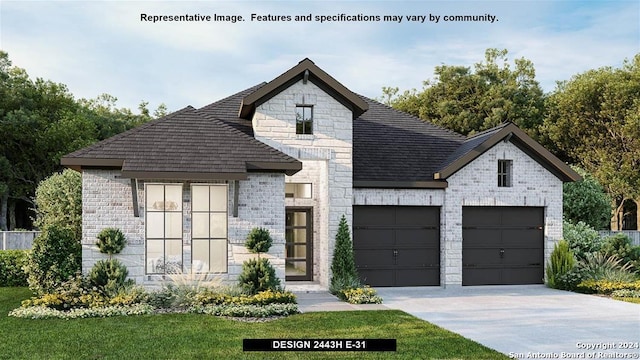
527, 322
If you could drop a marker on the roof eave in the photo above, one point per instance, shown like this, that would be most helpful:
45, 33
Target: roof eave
520, 139
441, 184
317, 76
182, 175
290, 168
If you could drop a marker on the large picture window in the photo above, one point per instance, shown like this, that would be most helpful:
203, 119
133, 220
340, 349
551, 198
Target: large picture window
209, 228
163, 227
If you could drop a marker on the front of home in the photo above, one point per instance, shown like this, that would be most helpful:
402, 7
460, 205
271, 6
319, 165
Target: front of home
427, 206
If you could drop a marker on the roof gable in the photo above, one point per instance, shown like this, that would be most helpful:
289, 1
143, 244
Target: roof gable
476, 145
186, 144
305, 70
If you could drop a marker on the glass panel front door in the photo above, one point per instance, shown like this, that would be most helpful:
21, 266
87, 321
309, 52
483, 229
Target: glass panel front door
298, 244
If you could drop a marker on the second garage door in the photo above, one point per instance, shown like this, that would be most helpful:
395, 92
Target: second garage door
397, 245
502, 245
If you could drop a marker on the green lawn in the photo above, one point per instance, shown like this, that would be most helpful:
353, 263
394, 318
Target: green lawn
189, 336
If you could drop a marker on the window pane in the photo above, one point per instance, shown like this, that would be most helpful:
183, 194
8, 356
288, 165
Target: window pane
200, 256
297, 251
300, 235
155, 197
173, 198
173, 225
218, 198
299, 219
173, 256
155, 256
218, 225
200, 198
308, 127
155, 225
200, 225
218, 256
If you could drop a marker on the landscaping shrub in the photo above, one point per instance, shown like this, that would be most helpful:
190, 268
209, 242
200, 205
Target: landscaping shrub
71, 294
259, 240
560, 263
59, 202
212, 297
40, 312
56, 256
607, 287
582, 238
11, 267
111, 241
343, 266
365, 295
258, 275
109, 276
258, 311
597, 266
570, 280
586, 201
621, 246
626, 293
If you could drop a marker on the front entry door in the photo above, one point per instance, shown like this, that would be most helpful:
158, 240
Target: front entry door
299, 244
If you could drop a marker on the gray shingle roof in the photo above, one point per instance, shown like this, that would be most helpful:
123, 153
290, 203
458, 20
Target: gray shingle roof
185, 144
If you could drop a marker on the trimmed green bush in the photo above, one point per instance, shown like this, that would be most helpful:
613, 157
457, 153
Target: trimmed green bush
343, 266
55, 257
258, 241
11, 267
109, 276
111, 241
621, 246
582, 238
560, 263
258, 275
59, 202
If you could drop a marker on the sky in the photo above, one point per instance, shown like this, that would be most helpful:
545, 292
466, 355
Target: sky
97, 47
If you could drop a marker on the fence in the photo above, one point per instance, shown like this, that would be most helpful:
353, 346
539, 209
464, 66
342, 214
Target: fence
10, 240
633, 234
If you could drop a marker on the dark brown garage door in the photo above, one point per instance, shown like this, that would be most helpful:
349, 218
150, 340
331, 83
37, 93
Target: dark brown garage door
397, 245
502, 245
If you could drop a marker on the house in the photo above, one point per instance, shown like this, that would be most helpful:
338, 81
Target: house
427, 206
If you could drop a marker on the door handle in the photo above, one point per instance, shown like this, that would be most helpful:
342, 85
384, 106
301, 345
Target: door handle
501, 253
395, 253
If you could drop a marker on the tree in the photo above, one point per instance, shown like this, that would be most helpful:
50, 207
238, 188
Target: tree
469, 101
594, 121
343, 266
586, 201
59, 202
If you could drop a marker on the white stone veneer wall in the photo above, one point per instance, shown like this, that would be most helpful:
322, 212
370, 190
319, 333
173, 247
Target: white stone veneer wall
477, 185
107, 202
328, 150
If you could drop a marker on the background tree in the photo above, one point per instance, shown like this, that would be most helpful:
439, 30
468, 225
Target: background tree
586, 201
469, 100
40, 121
594, 121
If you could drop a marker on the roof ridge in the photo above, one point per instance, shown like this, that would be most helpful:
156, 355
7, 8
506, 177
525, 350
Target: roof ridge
131, 131
252, 88
413, 116
484, 132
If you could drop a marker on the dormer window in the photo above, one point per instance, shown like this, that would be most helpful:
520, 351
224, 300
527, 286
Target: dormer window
304, 119
504, 173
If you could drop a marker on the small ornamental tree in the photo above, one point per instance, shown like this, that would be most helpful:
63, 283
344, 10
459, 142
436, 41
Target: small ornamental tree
343, 266
586, 201
110, 275
258, 274
59, 202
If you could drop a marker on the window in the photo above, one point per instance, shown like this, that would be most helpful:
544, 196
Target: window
504, 173
297, 190
304, 119
163, 227
209, 228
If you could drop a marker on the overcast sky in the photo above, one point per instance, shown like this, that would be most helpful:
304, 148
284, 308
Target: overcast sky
104, 47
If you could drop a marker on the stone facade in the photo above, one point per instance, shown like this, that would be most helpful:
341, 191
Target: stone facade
107, 202
326, 157
476, 185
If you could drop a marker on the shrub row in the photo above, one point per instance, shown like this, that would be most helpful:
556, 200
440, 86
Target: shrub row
235, 310
210, 297
11, 264
606, 287
42, 312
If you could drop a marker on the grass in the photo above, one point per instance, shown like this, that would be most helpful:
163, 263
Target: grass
189, 336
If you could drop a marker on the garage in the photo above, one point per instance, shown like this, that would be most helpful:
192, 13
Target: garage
502, 245
397, 245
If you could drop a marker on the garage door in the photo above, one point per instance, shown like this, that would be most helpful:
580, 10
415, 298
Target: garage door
397, 245
502, 245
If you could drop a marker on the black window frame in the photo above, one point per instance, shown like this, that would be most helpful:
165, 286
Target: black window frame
304, 126
505, 173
